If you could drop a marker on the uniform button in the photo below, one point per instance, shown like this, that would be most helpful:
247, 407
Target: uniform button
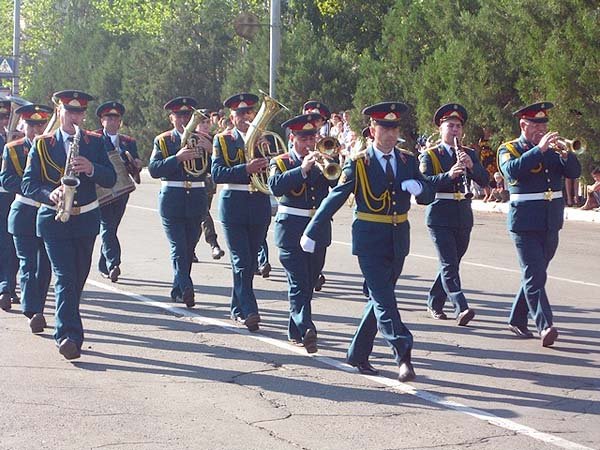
312, 188
74, 202
187, 192
548, 180
393, 192
312, 198
393, 203
546, 170
395, 213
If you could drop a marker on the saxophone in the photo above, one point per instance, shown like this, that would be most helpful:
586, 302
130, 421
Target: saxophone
69, 181
256, 144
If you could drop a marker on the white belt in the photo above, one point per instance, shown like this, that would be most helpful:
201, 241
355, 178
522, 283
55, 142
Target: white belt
26, 201
295, 211
548, 195
183, 184
450, 195
76, 210
3, 191
239, 187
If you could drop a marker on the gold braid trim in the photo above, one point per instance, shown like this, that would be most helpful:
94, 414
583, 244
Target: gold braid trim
363, 181
12, 152
437, 166
163, 147
239, 157
282, 167
45, 159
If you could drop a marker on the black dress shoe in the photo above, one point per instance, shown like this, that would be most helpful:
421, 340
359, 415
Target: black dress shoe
465, 317
439, 315
406, 371
217, 253
320, 282
37, 323
114, 274
310, 341
549, 335
188, 297
5, 302
522, 332
265, 270
365, 368
251, 322
69, 349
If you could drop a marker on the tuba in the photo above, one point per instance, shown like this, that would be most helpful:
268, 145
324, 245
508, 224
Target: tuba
199, 165
328, 148
257, 141
69, 181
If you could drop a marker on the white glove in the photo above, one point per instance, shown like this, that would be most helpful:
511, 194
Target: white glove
307, 244
412, 187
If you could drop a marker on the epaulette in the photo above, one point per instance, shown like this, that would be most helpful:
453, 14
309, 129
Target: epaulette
45, 136
363, 154
509, 142
16, 142
126, 138
164, 134
92, 133
405, 151
99, 131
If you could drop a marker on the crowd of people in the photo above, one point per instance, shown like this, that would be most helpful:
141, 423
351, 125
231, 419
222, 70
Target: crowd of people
51, 176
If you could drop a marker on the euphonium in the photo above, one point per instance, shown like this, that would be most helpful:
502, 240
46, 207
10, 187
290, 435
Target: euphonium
194, 141
578, 145
258, 147
328, 148
69, 181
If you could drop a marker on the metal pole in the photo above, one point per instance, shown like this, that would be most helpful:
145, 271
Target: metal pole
275, 44
16, 40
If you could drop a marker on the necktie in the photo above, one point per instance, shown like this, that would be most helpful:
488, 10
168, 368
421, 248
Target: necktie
389, 172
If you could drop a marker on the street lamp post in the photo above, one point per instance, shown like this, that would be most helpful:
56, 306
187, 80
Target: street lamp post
275, 44
16, 40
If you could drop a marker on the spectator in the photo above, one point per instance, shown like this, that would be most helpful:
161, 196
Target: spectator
572, 192
499, 193
593, 191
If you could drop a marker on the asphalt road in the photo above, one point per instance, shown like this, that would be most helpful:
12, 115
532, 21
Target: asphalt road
154, 375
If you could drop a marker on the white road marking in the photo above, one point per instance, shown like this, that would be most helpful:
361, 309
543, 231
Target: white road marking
394, 384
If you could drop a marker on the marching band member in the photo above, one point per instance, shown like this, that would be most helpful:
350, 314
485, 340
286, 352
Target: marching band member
534, 166
245, 213
301, 187
182, 201
69, 243
9, 264
450, 217
382, 178
208, 225
111, 213
323, 129
35, 267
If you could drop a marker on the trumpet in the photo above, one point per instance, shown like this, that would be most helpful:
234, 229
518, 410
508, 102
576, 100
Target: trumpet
466, 181
328, 148
578, 146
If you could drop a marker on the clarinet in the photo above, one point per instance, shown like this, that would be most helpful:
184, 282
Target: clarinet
466, 181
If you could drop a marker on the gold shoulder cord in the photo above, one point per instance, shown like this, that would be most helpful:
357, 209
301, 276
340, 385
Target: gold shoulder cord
45, 159
239, 157
361, 178
12, 152
282, 167
437, 166
163, 147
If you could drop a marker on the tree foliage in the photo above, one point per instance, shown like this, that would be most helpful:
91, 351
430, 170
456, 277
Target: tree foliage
493, 57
